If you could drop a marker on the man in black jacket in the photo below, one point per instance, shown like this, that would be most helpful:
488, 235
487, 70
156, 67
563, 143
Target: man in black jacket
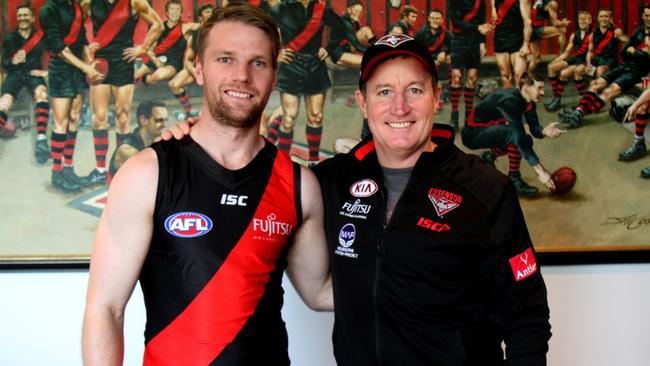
498, 123
431, 260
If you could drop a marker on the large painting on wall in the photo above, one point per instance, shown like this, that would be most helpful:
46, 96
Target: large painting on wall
604, 218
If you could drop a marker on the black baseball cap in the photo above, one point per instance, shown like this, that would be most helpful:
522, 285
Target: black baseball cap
394, 45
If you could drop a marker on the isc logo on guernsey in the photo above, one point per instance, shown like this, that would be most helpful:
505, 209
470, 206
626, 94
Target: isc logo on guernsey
188, 224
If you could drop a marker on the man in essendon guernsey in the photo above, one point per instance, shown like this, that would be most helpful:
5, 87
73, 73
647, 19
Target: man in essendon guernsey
205, 222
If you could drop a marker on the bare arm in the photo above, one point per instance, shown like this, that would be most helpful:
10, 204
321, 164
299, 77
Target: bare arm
188, 56
555, 19
149, 15
525, 9
568, 49
308, 261
120, 248
69, 57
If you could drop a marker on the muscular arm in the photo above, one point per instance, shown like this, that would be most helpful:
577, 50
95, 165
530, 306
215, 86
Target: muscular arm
308, 261
120, 248
188, 56
149, 15
568, 49
525, 8
552, 14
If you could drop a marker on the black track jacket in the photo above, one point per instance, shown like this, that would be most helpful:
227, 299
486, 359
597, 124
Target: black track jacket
447, 279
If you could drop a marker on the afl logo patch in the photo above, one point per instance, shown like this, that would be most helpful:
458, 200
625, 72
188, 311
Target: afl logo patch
364, 188
188, 224
347, 235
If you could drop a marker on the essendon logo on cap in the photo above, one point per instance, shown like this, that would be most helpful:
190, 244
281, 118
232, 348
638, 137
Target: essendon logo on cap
523, 265
393, 40
444, 201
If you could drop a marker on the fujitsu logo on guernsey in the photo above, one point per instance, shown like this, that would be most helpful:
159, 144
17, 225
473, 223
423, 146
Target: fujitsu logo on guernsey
188, 224
523, 265
444, 201
355, 210
364, 188
271, 228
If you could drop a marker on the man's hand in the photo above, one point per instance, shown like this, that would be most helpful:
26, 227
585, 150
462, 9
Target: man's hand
485, 28
441, 57
38, 73
524, 50
322, 53
630, 50
544, 177
93, 47
483, 50
553, 131
285, 56
632, 110
131, 53
92, 73
19, 57
177, 131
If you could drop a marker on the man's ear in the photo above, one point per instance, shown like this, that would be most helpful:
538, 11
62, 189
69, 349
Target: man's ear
361, 101
198, 71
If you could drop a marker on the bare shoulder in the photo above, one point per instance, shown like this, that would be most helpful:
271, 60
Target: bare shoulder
137, 179
310, 192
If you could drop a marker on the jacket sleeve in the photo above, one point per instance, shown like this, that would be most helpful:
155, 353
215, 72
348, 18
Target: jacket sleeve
52, 31
352, 37
333, 20
536, 128
7, 51
516, 293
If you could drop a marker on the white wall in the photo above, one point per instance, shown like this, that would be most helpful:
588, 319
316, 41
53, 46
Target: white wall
600, 316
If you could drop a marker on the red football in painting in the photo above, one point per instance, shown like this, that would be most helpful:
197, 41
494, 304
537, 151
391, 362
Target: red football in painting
101, 65
564, 179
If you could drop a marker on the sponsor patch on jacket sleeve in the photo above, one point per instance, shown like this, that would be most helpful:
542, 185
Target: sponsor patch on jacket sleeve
523, 265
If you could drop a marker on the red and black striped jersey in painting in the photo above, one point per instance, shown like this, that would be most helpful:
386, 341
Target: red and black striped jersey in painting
212, 277
580, 42
605, 43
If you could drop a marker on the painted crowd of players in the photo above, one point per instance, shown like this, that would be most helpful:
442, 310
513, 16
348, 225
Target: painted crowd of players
107, 64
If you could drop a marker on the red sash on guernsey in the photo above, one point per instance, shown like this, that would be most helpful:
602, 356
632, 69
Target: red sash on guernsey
469, 16
603, 43
503, 10
75, 28
113, 24
242, 276
255, 3
474, 123
584, 47
345, 40
172, 37
533, 16
31, 43
312, 27
439, 41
